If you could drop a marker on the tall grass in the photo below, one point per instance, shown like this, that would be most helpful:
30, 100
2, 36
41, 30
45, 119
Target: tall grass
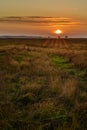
43, 84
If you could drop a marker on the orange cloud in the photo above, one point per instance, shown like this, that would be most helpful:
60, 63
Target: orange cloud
41, 21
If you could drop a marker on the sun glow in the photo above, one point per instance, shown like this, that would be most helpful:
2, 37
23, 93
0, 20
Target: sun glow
58, 31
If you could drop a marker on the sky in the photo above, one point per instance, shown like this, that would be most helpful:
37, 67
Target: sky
43, 17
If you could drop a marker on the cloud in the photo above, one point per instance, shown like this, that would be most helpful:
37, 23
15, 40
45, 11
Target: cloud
41, 21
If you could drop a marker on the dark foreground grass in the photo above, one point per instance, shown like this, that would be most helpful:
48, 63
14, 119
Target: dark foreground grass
43, 84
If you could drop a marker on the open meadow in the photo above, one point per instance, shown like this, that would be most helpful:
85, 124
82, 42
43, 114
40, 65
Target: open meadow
43, 84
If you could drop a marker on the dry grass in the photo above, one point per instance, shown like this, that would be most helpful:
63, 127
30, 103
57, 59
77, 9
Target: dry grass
43, 84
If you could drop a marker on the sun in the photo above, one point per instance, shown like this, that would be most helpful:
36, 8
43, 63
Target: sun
58, 31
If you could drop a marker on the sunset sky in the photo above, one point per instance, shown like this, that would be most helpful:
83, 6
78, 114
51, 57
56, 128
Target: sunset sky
43, 17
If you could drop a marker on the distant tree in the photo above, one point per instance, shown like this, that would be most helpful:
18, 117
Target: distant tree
66, 37
59, 37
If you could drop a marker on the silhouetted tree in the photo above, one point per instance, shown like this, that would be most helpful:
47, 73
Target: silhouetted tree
66, 37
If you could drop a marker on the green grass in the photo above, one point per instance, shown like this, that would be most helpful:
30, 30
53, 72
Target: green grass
69, 67
18, 58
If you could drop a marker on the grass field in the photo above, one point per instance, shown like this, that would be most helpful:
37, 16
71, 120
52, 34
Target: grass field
43, 84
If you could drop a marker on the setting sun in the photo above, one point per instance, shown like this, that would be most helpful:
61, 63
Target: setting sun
58, 31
